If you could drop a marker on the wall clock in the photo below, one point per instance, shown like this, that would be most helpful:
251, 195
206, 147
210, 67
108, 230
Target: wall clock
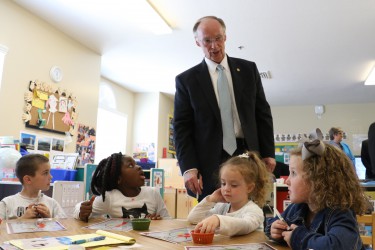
56, 74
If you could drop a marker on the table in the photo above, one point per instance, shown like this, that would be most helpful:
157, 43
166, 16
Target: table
74, 227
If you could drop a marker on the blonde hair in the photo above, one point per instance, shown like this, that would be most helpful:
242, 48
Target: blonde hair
333, 181
253, 170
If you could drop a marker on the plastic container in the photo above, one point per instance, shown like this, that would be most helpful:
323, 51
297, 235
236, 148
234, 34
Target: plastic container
141, 224
202, 238
63, 174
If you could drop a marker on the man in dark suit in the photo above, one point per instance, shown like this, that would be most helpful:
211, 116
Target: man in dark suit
368, 153
197, 118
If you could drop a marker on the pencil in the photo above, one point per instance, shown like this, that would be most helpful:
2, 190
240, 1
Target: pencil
197, 195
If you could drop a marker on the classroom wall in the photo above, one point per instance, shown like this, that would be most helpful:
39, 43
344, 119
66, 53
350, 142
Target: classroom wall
166, 105
354, 119
146, 121
34, 47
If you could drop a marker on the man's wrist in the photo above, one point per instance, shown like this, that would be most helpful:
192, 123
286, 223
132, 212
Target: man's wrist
189, 170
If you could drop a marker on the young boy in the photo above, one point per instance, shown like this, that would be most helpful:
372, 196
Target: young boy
33, 171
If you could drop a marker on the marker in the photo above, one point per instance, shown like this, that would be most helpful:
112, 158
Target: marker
197, 195
40, 195
279, 216
76, 242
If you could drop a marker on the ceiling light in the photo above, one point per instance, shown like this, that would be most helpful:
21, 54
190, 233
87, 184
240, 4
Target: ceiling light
371, 78
157, 22
319, 110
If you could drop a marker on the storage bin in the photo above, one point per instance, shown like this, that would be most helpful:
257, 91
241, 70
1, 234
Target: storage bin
59, 174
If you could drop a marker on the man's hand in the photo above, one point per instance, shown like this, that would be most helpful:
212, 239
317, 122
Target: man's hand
270, 163
191, 181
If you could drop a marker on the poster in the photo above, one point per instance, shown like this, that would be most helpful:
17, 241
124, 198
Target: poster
85, 145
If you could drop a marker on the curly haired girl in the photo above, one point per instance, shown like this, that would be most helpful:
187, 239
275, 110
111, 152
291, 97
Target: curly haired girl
326, 196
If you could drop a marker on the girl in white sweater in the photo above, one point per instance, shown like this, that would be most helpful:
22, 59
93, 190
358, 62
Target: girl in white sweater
234, 208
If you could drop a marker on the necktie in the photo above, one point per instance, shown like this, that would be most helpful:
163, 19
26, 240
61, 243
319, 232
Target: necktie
225, 104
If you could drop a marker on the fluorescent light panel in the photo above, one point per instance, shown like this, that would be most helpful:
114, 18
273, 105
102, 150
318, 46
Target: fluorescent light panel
371, 78
140, 13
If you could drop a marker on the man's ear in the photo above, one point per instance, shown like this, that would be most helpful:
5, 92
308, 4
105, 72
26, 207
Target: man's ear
26, 179
197, 42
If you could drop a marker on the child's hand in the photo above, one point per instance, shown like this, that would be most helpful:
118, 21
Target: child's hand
207, 225
30, 212
42, 210
277, 228
288, 234
216, 196
86, 209
153, 216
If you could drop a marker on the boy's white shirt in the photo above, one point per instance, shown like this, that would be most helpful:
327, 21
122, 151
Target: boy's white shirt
115, 201
245, 220
11, 204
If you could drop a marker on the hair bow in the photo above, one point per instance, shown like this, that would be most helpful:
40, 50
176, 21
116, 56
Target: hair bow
313, 145
309, 149
244, 155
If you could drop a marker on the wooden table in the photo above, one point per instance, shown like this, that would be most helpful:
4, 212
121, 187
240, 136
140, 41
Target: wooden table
75, 227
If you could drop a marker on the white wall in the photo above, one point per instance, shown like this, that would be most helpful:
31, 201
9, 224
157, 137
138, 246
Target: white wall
165, 109
352, 118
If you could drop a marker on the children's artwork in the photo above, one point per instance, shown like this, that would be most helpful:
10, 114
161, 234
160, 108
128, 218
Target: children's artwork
58, 144
46, 108
44, 143
100, 238
112, 224
157, 179
64, 160
28, 140
39, 225
248, 246
85, 145
175, 235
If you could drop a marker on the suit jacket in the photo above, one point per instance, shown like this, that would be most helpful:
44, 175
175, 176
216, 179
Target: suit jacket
197, 123
365, 158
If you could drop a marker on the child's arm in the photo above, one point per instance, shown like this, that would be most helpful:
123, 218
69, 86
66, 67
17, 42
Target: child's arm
201, 211
86, 209
244, 221
2, 210
161, 211
30, 212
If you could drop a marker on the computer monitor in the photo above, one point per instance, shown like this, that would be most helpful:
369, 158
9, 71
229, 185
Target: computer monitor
360, 168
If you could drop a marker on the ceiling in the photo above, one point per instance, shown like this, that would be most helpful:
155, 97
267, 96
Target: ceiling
317, 52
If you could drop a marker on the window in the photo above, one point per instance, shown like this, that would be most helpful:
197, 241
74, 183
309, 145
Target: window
3, 52
111, 126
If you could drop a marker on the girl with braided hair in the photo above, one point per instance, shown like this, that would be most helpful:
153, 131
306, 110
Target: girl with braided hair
326, 196
119, 185
234, 209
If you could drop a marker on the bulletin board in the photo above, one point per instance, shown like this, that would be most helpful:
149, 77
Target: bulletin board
49, 108
282, 151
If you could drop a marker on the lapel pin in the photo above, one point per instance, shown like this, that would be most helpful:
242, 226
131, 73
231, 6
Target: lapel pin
238, 69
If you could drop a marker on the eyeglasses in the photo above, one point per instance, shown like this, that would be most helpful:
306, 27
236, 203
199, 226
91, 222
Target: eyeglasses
210, 41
